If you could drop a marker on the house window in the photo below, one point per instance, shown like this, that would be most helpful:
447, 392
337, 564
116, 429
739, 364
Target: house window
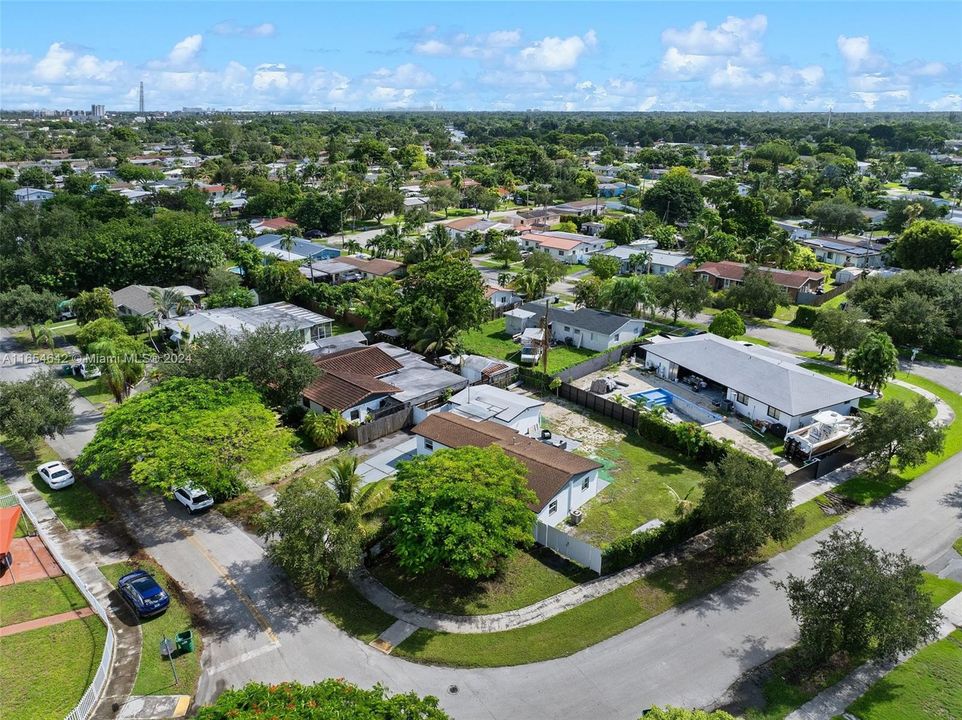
552, 507
577, 331
741, 398
428, 444
585, 484
355, 414
773, 413
567, 328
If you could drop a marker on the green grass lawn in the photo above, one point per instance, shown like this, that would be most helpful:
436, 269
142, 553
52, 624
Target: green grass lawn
598, 619
786, 312
492, 341
925, 687
45, 672
93, 389
77, 506
575, 268
347, 609
154, 676
525, 579
65, 331
245, 509
38, 598
836, 301
787, 688
957, 545
339, 328
639, 470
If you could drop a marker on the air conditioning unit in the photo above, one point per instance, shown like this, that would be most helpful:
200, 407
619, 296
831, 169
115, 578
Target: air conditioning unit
576, 517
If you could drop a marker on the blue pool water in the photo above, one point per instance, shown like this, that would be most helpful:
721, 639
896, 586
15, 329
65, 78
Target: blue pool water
654, 397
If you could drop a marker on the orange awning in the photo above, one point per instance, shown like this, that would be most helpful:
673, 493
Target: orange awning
9, 517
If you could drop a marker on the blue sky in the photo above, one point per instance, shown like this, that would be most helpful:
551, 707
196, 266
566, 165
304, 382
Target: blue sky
483, 56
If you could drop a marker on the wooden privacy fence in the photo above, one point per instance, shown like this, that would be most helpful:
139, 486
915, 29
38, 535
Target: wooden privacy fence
620, 413
370, 431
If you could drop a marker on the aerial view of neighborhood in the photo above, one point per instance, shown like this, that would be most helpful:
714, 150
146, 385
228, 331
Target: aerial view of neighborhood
447, 360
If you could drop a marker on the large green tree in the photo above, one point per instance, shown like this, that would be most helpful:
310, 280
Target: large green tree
747, 502
861, 601
927, 244
447, 286
675, 197
838, 329
727, 324
271, 357
899, 431
874, 362
312, 535
34, 408
836, 215
185, 431
757, 294
680, 293
462, 509
25, 306
93, 305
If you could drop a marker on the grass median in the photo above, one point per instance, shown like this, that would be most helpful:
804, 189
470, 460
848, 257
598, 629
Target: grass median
39, 598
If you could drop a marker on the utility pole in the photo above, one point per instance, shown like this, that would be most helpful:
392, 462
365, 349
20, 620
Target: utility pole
544, 338
141, 96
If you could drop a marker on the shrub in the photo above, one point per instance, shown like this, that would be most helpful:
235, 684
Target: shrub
99, 329
805, 316
633, 549
324, 429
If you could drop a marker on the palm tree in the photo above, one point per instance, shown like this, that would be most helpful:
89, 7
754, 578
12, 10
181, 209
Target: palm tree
287, 244
45, 335
353, 497
529, 284
779, 248
396, 175
394, 239
120, 368
625, 294
640, 260
683, 505
352, 246
169, 302
439, 336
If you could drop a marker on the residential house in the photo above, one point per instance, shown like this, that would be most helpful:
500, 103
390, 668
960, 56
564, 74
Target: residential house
724, 274
487, 402
663, 262
481, 369
312, 327
844, 253
272, 225
540, 217
461, 226
302, 249
560, 480
374, 267
367, 382
136, 300
32, 195
501, 297
570, 248
591, 329
333, 272
761, 384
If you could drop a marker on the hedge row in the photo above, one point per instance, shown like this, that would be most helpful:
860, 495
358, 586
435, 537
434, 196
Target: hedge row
633, 549
805, 316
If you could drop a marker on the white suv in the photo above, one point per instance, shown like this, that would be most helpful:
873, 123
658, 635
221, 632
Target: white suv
193, 498
56, 475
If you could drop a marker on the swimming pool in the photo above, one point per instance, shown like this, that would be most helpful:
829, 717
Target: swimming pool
654, 398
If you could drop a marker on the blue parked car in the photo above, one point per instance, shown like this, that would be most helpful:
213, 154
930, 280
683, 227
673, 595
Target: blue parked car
143, 594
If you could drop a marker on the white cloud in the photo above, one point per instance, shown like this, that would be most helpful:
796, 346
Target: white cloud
14, 57
858, 54
729, 38
552, 54
229, 27
871, 99
275, 75
62, 64
183, 54
952, 101
432, 47
407, 75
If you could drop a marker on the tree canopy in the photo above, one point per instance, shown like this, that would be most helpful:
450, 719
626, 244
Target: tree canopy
34, 408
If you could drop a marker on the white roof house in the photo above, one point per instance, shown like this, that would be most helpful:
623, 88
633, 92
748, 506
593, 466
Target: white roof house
234, 320
761, 384
486, 402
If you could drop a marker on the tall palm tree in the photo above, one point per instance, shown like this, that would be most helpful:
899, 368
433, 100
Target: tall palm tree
352, 246
120, 367
169, 302
779, 248
626, 294
287, 244
347, 485
439, 336
683, 503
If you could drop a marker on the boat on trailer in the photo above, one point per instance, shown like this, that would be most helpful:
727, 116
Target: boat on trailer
829, 431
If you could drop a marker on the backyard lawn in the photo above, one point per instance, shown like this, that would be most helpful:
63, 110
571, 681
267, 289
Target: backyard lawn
928, 685
526, 578
45, 672
492, 341
93, 389
154, 676
639, 471
39, 598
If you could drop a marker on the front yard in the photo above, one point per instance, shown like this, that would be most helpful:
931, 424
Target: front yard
492, 341
526, 578
640, 473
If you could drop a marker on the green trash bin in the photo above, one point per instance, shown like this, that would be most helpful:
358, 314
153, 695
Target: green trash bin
185, 641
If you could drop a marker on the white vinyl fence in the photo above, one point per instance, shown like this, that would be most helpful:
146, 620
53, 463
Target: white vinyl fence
86, 705
567, 546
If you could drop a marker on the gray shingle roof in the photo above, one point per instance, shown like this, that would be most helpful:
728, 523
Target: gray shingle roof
758, 373
584, 318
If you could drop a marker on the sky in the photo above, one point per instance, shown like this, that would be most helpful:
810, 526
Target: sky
629, 56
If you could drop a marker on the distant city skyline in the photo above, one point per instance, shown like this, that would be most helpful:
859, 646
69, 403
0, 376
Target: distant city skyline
620, 56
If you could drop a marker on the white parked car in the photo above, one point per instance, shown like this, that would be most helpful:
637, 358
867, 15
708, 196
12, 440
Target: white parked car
193, 498
56, 475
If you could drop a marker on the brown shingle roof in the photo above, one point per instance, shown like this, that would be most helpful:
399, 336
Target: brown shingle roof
727, 269
351, 377
549, 468
375, 266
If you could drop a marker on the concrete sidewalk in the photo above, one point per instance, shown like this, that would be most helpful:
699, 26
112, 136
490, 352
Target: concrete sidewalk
63, 617
126, 657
